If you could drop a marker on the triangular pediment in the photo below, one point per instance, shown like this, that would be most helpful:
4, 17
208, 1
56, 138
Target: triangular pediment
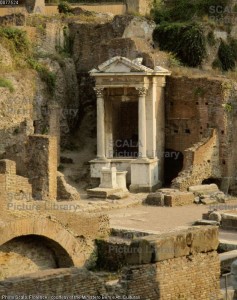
120, 64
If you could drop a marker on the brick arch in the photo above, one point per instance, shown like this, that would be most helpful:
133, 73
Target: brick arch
49, 229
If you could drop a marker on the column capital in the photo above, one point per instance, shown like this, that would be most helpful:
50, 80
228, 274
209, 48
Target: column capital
142, 91
99, 91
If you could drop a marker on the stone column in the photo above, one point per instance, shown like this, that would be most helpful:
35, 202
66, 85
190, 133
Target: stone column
100, 123
142, 91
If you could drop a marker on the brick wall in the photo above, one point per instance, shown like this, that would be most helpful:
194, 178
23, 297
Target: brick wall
12, 186
42, 166
187, 269
194, 105
200, 162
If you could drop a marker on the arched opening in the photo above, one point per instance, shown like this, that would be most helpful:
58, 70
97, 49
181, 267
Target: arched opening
173, 164
31, 253
210, 180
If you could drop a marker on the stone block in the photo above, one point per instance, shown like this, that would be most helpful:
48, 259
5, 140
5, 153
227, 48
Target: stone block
140, 252
206, 222
178, 199
102, 192
108, 178
205, 189
204, 239
174, 197
155, 199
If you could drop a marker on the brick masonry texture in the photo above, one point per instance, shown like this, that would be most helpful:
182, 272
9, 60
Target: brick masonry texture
187, 275
42, 166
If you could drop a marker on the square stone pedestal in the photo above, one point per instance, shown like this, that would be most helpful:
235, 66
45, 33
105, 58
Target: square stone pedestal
144, 175
96, 166
112, 184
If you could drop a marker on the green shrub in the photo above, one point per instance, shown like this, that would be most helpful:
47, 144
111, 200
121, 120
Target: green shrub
233, 46
211, 38
226, 56
7, 84
17, 37
64, 7
216, 64
186, 10
17, 43
186, 41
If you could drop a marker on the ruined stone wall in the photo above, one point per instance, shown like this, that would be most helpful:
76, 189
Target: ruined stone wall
200, 162
13, 186
94, 43
42, 166
192, 277
193, 107
55, 282
179, 265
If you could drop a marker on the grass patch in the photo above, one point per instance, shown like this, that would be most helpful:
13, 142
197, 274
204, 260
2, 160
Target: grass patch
17, 43
6, 83
186, 10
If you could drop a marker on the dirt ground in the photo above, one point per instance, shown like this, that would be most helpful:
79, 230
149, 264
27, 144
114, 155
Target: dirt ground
156, 219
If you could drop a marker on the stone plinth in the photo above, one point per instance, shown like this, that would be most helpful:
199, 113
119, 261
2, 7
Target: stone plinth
108, 178
144, 175
121, 179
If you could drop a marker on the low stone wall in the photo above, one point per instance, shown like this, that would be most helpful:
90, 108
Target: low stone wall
71, 281
178, 265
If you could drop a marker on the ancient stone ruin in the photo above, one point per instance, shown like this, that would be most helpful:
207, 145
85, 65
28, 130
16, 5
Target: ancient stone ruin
118, 151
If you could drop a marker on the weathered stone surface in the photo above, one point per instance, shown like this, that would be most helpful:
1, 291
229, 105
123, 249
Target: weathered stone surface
175, 244
64, 190
119, 195
42, 166
219, 197
204, 189
170, 197
215, 216
207, 222
204, 240
140, 252
229, 221
208, 201
102, 192
156, 199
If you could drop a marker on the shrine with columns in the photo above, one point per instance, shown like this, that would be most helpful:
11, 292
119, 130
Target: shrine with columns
130, 122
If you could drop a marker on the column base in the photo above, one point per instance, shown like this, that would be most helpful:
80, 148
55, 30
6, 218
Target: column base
138, 188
